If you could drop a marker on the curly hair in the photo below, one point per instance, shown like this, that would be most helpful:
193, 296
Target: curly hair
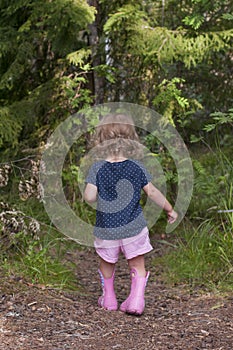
115, 134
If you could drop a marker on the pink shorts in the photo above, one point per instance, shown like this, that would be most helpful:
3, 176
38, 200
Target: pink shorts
109, 250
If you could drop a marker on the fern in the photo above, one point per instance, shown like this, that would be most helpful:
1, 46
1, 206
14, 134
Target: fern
169, 101
219, 119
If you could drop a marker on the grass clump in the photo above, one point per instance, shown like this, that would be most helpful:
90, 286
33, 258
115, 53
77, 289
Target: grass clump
203, 256
40, 260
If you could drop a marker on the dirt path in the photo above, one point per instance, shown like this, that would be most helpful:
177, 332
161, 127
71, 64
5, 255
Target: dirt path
32, 318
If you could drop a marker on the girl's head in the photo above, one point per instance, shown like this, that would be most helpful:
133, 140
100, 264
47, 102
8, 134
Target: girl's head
116, 135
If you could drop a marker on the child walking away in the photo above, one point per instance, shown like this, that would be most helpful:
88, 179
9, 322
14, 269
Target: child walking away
115, 182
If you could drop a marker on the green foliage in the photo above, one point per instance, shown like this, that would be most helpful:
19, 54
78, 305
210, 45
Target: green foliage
39, 261
29, 246
168, 46
220, 119
171, 104
129, 15
10, 128
173, 56
227, 16
43, 66
212, 181
194, 20
203, 256
199, 15
150, 57
213, 167
163, 44
78, 58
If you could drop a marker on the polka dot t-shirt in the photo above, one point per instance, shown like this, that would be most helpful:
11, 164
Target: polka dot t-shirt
119, 214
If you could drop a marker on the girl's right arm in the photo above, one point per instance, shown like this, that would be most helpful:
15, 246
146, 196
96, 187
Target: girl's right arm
156, 196
90, 193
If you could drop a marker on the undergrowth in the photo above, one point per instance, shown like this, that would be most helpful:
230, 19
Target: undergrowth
30, 247
201, 256
202, 251
41, 260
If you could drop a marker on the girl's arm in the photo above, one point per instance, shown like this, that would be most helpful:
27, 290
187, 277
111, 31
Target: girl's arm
90, 193
156, 196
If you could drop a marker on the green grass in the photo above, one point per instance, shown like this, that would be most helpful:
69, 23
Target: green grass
202, 252
202, 256
213, 174
41, 260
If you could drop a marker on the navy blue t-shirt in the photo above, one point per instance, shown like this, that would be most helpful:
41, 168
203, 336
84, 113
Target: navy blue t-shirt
119, 214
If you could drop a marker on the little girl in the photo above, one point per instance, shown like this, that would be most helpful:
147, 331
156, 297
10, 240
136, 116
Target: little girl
115, 182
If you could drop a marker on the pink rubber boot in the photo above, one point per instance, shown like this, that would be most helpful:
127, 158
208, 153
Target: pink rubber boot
108, 299
135, 303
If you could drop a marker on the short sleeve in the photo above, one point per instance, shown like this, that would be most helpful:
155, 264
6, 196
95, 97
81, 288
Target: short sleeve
91, 176
146, 177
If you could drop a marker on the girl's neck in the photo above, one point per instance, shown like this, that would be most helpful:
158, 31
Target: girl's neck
115, 159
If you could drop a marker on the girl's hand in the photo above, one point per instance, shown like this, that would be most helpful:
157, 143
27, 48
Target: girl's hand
172, 216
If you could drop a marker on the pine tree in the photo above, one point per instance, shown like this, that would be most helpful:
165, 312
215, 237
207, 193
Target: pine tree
147, 42
43, 65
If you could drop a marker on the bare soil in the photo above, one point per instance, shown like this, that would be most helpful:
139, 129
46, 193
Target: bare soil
34, 317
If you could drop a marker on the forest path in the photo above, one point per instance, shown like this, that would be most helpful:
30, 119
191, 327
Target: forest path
46, 319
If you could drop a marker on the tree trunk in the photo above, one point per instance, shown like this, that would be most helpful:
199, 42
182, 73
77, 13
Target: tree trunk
96, 29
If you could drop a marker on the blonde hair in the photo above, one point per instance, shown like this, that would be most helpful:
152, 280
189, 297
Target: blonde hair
115, 134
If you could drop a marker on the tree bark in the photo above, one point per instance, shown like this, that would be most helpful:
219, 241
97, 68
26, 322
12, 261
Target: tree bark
96, 30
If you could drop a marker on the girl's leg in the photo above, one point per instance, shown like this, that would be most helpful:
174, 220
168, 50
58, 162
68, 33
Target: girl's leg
106, 268
138, 263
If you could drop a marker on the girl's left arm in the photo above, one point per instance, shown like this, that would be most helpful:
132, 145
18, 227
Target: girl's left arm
156, 196
90, 193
